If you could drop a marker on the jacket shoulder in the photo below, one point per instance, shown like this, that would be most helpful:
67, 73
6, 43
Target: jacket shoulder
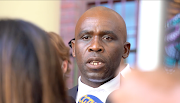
73, 92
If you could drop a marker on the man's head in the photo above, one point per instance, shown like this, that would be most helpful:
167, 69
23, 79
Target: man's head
100, 43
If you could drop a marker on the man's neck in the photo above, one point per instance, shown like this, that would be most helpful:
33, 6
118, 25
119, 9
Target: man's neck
93, 83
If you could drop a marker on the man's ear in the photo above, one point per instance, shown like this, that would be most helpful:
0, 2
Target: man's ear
127, 46
73, 47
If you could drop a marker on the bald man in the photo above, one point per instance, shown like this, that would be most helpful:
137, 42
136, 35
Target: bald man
99, 45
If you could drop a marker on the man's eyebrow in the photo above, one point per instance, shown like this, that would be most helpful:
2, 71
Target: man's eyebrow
101, 32
108, 32
85, 32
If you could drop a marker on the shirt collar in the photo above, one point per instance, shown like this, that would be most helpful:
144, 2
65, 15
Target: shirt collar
125, 70
110, 85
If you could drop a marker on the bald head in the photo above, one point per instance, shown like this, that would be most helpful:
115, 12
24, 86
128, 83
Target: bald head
104, 13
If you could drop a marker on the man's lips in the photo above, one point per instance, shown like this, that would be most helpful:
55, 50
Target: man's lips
95, 59
95, 63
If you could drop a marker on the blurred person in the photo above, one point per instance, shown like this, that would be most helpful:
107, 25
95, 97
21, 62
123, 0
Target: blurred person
99, 45
63, 52
148, 87
29, 66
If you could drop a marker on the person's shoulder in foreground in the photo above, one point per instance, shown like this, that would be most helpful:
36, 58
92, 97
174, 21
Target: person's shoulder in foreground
99, 45
149, 87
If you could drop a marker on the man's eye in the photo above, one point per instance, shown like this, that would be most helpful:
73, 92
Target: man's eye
86, 37
107, 38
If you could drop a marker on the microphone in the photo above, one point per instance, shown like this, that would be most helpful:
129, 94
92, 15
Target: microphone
89, 99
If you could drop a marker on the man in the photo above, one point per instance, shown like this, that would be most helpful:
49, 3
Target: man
99, 45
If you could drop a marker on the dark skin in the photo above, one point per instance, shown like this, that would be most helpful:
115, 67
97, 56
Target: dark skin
100, 43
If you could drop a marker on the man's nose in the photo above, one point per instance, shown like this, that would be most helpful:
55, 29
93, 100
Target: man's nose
96, 46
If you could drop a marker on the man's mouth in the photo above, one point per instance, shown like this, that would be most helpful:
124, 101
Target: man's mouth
95, 63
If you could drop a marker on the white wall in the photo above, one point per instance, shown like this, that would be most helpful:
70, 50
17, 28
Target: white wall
150, 34
45, 14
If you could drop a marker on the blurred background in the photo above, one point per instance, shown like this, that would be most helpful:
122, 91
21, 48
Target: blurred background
153, 26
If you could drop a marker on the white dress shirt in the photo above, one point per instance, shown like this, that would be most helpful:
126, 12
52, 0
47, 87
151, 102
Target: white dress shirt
102, 91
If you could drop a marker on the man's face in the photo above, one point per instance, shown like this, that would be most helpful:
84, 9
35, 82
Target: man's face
98, 48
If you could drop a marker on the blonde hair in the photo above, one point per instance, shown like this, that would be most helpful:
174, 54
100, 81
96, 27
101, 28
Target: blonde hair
61, 48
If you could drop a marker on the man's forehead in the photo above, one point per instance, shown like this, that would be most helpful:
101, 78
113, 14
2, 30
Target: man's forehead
96, 21
98, 24
91, 17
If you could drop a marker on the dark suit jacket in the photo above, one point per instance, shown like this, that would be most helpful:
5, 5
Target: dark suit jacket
73, 92
71, 99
